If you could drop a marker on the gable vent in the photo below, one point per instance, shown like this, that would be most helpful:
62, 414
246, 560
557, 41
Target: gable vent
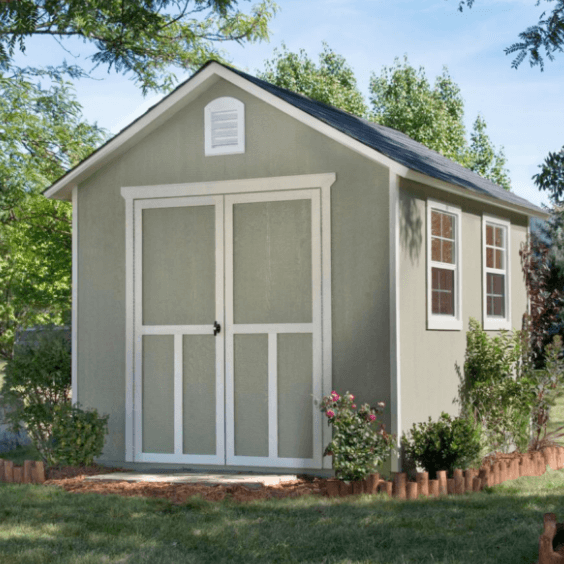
224, 127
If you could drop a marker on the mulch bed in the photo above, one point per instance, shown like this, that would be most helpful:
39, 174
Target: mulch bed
72, 479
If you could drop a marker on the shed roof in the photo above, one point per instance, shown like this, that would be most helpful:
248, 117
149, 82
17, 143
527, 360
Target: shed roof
387, 141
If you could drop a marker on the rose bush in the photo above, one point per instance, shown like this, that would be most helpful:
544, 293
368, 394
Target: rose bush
359, 442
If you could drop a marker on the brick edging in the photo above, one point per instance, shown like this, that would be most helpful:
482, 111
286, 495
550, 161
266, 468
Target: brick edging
528, 464
32, 472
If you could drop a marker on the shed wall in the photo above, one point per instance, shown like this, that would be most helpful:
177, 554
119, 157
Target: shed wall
429, 382
276, 145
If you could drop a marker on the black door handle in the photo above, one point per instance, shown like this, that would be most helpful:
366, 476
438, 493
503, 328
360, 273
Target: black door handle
216, 328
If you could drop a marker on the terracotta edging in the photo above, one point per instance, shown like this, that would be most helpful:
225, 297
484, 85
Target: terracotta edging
469, 480
32, 472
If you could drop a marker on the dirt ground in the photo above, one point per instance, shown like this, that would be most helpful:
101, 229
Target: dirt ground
72, 479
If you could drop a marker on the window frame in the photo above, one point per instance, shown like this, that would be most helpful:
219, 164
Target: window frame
224, 103
496, 323
437, 321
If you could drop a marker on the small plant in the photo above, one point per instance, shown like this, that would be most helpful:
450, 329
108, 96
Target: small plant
37, 387
359, 442
445, 444
78, 435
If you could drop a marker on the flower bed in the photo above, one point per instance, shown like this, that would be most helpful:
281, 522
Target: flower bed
490, 474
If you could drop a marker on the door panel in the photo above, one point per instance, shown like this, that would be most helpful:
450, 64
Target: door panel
199, 394
272, 262
179, 265
251, 395
158, 394
295, 408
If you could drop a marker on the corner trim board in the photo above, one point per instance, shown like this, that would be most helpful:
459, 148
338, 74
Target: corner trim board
74, 315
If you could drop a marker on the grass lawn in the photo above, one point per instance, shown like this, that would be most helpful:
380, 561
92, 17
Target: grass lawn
42, 524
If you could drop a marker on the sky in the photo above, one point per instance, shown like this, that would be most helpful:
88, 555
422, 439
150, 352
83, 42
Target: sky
523, 108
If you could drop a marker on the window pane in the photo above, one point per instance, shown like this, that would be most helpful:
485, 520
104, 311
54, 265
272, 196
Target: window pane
489, 235
499, 237
448, 254
495, 295
435, 249
489, 258
442, 295
447, 230
499, 259
435, 223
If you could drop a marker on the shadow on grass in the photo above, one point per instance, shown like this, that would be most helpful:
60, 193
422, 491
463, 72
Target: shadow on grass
44, 524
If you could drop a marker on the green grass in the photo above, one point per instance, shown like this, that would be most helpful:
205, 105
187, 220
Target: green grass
42, 524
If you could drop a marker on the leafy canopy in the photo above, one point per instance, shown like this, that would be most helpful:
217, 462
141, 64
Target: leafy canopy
144, 38
42, 134
401, 97
547, 34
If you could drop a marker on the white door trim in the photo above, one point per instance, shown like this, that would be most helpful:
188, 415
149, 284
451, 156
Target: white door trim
177, 331
272, 330
133, 193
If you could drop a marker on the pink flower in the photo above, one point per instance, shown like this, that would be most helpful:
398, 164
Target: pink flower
335, 396
330, 413
354, 405
352, 397
372, 417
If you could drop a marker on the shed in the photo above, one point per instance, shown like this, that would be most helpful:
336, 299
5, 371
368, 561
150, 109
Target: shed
240, 250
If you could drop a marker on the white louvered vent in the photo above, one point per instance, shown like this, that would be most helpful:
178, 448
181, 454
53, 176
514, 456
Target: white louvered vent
224, 127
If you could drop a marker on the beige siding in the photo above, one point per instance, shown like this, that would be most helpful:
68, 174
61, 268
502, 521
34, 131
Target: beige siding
428, 378
276, 145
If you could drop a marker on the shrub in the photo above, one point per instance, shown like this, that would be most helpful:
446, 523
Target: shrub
359, 442
496, 391
444, 445
37, 387
78, 435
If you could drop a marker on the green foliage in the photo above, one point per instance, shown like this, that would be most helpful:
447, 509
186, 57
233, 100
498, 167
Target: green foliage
37, 386
551, 176
403, 98
43, 134
445, 444
549, 388
332, 81
547, 34
358, 444
496, 389
78, 435
141, 37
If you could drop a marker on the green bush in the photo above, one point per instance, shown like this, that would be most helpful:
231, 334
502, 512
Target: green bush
445, 444
78, 435
359, 442
497, 389
37, 386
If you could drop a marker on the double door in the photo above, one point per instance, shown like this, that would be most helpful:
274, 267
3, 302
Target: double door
228, 329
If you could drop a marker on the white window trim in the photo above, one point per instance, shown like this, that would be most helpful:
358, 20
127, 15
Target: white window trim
496, 323
443, 322
225, 103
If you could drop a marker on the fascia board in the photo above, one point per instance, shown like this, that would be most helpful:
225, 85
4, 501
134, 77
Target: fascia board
466, 193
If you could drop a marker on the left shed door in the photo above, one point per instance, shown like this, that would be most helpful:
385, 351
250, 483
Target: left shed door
179, 365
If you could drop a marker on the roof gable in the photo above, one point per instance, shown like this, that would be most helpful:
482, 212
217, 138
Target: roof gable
383, 144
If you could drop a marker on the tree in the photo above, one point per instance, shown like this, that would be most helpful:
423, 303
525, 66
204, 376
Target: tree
548, 34
142, 37
401, 98
551, 176
42, 134
332, 81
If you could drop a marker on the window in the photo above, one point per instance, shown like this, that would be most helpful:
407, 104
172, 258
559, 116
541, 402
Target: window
495, 253
224, 127
443, 267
